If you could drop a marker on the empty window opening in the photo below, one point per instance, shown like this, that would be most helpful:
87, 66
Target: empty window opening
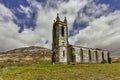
102, 55
63, 53
62, 31
89, 55
81, 53
96, 55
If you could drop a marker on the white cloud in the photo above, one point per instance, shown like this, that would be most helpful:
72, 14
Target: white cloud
9, 36
103, 32
52, 7
92, 11
8, 30
26, 10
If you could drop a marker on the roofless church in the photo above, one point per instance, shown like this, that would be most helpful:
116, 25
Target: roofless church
65, 53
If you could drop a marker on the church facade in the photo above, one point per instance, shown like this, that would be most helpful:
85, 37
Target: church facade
63, 52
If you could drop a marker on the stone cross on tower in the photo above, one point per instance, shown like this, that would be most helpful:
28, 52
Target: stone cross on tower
60, 41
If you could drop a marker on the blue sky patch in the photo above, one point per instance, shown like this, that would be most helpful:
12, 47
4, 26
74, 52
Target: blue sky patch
114, 4
22, 19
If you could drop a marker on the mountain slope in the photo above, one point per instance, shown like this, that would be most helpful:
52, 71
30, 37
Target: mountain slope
31, 54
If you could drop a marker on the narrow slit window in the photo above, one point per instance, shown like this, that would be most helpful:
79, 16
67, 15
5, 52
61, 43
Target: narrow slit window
62, 31
102, 55
63, 53
89, 55
96, 55
81, 54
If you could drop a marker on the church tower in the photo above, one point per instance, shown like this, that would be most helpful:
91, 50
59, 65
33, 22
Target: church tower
60, 41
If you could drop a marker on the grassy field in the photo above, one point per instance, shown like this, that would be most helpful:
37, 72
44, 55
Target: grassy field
61, 72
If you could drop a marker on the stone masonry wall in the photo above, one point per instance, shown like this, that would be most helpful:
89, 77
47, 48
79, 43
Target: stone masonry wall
88, 55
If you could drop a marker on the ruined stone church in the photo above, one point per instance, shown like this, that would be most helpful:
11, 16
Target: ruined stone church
63, 52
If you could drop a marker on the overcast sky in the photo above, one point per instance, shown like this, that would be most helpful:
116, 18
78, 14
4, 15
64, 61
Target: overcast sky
91, 23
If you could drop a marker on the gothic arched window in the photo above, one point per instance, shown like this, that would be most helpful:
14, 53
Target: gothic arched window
62, 31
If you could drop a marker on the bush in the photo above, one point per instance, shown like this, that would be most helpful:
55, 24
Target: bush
104, 61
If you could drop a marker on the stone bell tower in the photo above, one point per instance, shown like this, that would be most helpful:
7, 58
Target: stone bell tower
60, 41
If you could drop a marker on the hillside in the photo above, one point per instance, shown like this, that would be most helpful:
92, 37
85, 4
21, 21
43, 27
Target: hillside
116, 59
31, 54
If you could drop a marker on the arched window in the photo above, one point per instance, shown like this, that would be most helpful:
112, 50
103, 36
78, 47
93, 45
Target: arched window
62, 31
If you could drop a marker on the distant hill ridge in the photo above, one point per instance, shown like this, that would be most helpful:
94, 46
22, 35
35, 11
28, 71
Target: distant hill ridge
26, 49
116, 59
26, 54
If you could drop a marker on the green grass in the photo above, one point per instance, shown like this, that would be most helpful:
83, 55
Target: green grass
61, 72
